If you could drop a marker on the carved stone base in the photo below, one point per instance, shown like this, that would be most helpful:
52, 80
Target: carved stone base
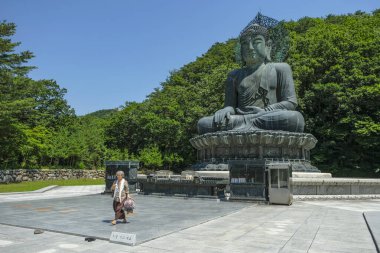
298, 166
214, 150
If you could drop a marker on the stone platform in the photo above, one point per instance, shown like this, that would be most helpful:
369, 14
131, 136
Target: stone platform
189, 225
214, 150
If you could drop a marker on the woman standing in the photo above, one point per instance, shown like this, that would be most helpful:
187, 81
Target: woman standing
120, 188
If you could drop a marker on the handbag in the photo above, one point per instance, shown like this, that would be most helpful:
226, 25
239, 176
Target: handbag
129, 205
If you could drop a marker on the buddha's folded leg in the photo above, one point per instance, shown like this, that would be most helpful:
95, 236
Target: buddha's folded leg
284, 120
207, 124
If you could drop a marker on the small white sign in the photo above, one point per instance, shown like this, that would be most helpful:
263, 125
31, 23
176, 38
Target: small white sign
125, 238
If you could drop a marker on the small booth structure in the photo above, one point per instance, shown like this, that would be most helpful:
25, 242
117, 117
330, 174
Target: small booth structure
280, 187
130, 169
260, 180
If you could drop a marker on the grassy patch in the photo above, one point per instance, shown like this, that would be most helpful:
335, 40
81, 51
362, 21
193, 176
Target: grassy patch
35, 185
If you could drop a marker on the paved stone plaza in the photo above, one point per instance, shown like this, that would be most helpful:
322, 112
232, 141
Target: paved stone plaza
172, 224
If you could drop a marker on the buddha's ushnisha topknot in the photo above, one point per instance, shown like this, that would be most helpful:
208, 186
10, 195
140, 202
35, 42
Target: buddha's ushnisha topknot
259, 25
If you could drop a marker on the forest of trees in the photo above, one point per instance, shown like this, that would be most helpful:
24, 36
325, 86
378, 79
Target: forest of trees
336, 68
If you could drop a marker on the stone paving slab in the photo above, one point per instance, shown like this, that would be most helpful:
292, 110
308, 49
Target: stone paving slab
91, 215
42, 190
53, 193
373, 222
298, 228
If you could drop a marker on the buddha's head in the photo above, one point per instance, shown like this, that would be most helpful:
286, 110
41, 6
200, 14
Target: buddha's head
255, 45
255, 41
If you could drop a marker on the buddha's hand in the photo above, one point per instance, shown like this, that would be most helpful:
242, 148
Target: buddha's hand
223, 115
250, 110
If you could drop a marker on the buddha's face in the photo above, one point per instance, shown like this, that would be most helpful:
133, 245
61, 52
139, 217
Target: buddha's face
253, 49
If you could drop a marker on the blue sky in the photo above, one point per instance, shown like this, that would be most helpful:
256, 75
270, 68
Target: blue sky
108, 52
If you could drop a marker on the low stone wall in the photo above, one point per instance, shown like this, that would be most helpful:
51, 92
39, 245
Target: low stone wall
12, 176
335, 186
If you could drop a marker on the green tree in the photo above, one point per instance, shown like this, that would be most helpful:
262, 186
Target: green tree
151, 157
336, 67
29, 110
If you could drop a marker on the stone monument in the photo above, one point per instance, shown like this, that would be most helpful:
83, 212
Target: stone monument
259, 120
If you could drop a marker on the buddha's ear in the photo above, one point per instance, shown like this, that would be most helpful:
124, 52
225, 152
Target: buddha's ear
240, 56
268, 49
